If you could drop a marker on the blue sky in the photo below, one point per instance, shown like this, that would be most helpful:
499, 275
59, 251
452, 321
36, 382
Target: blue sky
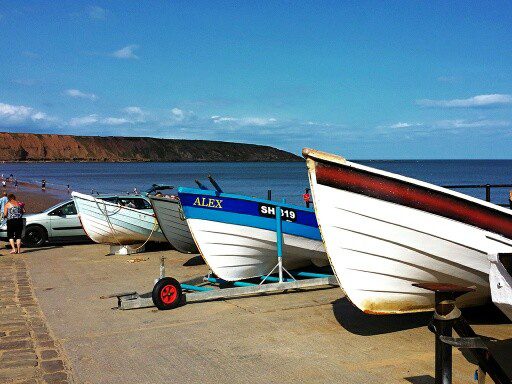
363, 79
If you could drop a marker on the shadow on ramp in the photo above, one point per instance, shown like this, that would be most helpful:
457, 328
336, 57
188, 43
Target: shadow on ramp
356, 321
422, 379
193, 261
487, 314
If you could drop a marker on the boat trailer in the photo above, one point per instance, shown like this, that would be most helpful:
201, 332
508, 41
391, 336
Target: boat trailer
168, 293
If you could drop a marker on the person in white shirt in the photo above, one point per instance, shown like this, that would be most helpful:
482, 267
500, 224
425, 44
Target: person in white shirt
3, 201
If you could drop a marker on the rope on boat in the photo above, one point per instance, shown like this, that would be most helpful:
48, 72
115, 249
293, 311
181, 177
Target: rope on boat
155, 225
105, 213
111, 226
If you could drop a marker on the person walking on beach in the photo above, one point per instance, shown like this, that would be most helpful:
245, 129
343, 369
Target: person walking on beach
4, 185
16, 184
3, 201
43, 185
69, 189
14, 213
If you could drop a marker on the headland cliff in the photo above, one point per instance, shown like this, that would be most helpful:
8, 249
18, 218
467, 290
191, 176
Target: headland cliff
50, 147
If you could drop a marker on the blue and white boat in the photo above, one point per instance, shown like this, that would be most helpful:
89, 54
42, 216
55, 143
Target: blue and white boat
236, 234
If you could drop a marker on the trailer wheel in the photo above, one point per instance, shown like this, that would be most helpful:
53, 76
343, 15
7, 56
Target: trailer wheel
167, 293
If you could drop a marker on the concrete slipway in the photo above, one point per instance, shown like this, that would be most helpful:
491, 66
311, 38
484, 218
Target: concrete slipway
309, 337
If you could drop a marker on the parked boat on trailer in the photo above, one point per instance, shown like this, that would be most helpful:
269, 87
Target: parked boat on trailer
384, 231
236, 234
173, 224
118, 219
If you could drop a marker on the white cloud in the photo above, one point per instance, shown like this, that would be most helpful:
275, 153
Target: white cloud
178, 116
84, 120
75, 93
136, 114
12, 115
178, 113
405, 125
115, 121
97, 13
133, 110
126, 52
462, 123
495, 99
245, 121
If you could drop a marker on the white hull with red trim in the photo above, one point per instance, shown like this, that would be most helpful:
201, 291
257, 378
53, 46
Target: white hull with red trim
109, 223
379, 248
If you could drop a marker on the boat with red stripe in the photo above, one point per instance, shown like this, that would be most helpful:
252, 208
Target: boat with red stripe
384, 231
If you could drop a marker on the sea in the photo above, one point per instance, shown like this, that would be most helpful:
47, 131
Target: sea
285, 180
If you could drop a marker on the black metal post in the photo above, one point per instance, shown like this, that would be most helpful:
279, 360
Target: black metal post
445, 314
487, 192
443, 351
269, 194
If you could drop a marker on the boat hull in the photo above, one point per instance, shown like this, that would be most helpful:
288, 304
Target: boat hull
238, 242
384, 232
109, 223
173, 224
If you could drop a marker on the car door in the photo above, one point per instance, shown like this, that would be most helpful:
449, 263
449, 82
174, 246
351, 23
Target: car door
64, 222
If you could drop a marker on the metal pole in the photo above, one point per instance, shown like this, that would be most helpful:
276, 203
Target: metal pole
443, 352
487, 192
269, 194
162, 267
279, 242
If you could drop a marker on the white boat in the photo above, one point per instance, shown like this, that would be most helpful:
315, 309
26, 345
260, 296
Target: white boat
236, 235
383, 232
500, 279
118, 220
173, 224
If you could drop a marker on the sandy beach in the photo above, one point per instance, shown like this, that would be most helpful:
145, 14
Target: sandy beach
34, 198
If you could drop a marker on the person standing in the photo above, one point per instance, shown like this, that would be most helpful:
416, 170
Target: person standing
69, 189
3, 201
4, 185
14, 213
43, 185
16, 184
307, 197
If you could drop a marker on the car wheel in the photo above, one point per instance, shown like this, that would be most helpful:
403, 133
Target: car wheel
35, 236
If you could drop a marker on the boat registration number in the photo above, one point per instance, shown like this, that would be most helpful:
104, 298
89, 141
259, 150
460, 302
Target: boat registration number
270, 211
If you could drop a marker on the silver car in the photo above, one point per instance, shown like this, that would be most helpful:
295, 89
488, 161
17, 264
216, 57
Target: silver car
59, 223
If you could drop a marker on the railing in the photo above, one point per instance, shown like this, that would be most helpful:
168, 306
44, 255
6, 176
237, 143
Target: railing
487, 190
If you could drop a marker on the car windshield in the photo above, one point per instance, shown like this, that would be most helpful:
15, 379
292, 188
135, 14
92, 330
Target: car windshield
47, 210
130, 202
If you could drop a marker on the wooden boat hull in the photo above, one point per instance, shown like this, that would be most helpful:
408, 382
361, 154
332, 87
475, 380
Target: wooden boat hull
173, 224
383, 232
238, 243
109, 223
